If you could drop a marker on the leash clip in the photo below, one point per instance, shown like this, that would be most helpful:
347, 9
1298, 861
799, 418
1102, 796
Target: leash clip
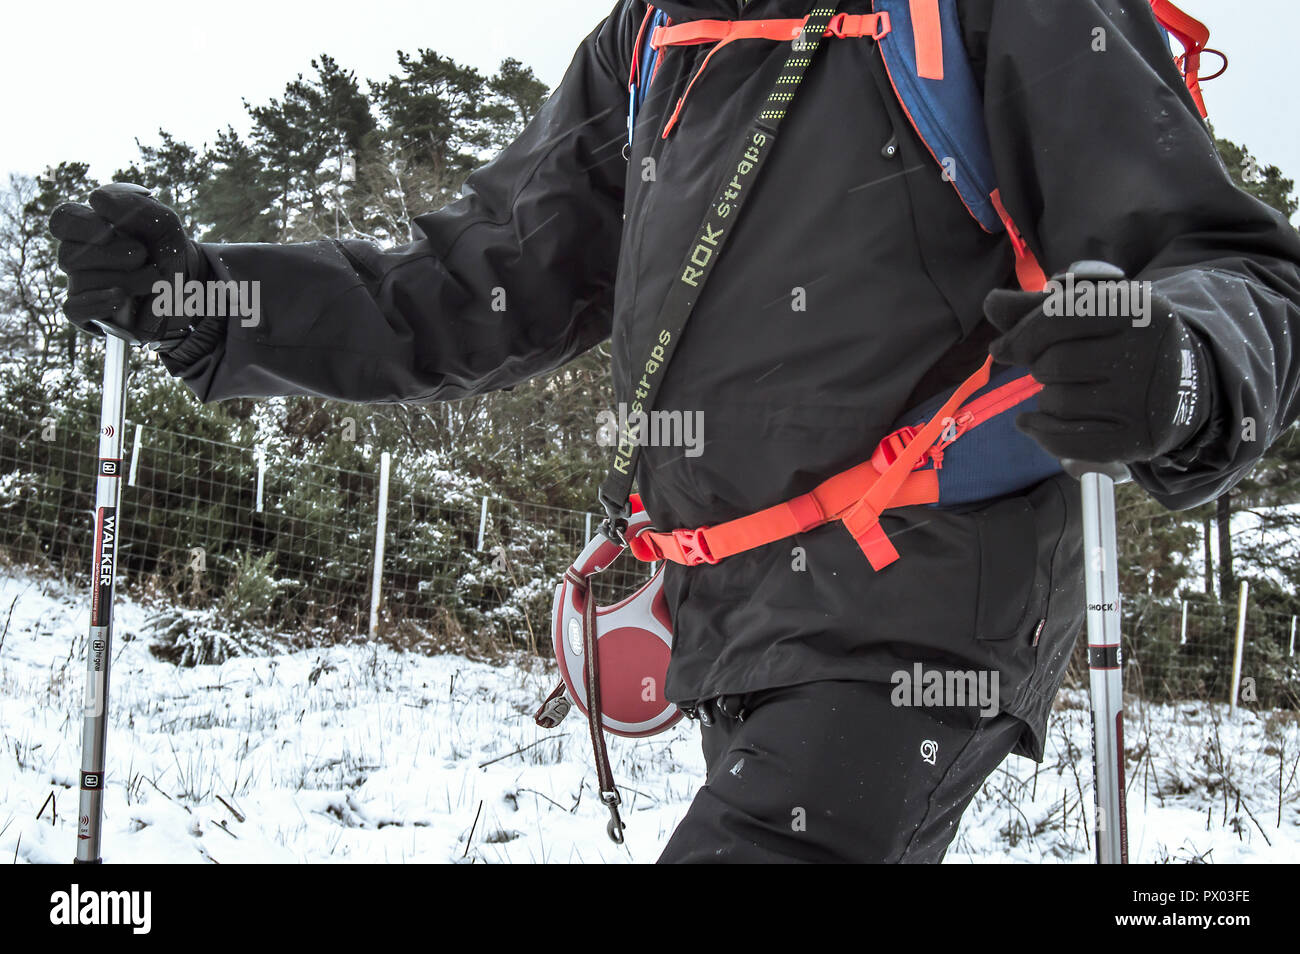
615, 827
614, 527
614, 530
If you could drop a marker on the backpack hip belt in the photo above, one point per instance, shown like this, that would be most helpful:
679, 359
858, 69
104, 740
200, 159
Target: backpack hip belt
856, 497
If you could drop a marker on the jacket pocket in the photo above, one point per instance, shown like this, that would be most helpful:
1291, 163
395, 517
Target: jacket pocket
1010, 582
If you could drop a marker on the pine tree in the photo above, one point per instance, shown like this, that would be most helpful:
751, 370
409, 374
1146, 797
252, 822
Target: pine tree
236, 204
517, 95
435, 117
297, 136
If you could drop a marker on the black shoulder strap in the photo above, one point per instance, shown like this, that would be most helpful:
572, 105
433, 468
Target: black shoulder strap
701, 260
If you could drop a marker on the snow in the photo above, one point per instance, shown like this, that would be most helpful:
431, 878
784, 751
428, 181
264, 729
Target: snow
363, 754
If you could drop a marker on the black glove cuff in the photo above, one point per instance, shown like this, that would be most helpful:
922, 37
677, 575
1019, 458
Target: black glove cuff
1194, 400
197, 267
200, 342
187, 346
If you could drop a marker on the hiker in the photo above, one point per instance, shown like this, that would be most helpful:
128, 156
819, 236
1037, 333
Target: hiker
860, 282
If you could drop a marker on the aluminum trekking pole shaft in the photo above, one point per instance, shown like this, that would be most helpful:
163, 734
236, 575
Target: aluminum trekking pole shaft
1105, 678
99, 643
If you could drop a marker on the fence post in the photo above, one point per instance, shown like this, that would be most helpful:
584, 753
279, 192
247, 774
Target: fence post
381, 527
586, 535
261, 474
135, 456
1182, 640
482, 523
1241, 639
1290, 650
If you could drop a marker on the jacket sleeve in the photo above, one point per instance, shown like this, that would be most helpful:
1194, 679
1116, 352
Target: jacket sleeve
1101, 154
511, 280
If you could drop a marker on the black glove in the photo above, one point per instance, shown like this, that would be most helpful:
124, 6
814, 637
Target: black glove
114, 251
1116, 388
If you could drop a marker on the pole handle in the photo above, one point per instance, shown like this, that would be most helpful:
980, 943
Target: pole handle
123, 314
1116, 471
1093, 270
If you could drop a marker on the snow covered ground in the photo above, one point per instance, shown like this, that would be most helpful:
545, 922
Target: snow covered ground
356, 754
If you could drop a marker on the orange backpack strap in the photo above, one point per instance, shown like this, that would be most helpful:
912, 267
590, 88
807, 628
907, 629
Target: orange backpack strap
1029, 272
721, 32
856, 497
928, 38
696, 32
1193, 35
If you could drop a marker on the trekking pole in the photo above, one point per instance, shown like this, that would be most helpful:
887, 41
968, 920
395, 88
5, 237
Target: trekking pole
108, 495
1105, 678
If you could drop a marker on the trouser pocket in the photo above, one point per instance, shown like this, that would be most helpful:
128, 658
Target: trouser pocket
1009, 569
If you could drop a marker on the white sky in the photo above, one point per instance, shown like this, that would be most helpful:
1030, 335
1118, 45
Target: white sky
119, 71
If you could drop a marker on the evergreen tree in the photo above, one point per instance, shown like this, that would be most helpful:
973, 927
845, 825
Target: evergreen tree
302, 138
435, 113
516, 96
236, 204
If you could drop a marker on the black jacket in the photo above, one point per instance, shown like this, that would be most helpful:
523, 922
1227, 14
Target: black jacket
1099, 155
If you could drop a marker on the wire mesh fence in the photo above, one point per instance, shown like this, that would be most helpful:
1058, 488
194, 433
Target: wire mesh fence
264, 537
1188, 651
261, 537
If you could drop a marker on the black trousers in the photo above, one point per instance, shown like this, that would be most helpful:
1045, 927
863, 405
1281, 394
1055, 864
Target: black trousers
835, 772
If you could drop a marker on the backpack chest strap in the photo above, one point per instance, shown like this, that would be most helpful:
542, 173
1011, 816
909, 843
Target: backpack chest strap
722, 32
697, 32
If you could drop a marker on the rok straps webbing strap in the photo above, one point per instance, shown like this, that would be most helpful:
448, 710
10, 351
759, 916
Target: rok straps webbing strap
701, 259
